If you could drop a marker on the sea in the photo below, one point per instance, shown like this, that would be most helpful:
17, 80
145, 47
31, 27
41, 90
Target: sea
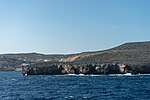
15, 86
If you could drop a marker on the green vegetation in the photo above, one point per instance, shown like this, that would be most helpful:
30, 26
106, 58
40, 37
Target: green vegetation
138, 52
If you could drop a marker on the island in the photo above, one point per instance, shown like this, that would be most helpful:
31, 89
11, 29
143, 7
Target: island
133, 57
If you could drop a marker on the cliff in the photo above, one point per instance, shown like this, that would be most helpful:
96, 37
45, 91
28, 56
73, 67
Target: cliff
86, 69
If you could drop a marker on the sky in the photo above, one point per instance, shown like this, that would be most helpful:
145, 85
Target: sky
71, 26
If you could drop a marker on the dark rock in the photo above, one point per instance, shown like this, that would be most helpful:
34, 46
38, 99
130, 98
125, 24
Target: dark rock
104, 68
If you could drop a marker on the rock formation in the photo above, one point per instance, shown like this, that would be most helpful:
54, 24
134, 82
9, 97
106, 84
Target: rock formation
87, 69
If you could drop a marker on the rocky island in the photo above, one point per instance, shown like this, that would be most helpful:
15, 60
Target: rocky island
131, 58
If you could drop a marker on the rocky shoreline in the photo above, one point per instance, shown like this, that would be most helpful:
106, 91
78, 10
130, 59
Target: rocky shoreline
135, 56
86, 69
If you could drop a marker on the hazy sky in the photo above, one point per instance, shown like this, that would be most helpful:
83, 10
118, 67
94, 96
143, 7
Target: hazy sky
71, 26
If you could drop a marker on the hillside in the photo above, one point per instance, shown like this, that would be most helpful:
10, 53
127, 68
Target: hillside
11, 61
135, 52
131, 53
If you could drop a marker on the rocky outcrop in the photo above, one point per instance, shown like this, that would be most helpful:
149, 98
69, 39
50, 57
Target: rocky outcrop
42, 70
100, 69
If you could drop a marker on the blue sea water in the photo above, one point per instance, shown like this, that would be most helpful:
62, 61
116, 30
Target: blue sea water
15, 86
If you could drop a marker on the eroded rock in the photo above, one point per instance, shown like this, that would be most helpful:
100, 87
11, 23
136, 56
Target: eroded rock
101, 69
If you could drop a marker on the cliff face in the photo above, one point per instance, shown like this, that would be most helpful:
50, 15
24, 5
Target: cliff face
86, 69
60, 69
